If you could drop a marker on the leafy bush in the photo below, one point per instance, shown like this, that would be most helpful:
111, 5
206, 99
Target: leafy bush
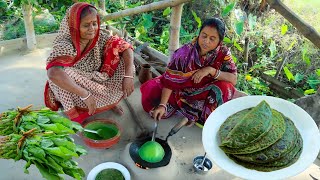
253, 85
17, 30
14, 30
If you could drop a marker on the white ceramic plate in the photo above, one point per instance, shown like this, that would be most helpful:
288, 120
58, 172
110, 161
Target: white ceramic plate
302, 120
108, 165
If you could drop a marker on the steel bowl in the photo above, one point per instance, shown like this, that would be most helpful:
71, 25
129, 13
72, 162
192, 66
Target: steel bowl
207, 165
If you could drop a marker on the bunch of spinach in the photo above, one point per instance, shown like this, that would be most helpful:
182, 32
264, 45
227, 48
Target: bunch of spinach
44, 120
41, 137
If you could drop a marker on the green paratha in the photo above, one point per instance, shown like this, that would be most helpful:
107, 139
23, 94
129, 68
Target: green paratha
289, 156
230, 123
273, 135
266, 168
252, 127
277, 150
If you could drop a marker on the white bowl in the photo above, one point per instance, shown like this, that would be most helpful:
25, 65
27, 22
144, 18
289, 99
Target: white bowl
108, 165
302, 120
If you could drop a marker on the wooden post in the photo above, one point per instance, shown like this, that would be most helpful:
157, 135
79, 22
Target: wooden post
102, 5
175, 23
122, 2
281, 87
245, 64
29, 27
144, 8
284, 60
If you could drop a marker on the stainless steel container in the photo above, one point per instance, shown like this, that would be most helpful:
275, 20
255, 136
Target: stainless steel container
207, 165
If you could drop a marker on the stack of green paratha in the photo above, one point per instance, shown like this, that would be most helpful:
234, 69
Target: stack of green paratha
261, 138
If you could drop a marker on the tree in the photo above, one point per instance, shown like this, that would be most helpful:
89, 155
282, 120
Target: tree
28, 24
102, 5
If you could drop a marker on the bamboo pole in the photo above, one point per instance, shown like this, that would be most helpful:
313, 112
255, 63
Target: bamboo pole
175, 23
102, 9
102, 5
281, 66
141, 61
122, 2
144, 8
281, 87
29, 27
152, 53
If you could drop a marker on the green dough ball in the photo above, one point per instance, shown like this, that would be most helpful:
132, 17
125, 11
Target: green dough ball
151, 152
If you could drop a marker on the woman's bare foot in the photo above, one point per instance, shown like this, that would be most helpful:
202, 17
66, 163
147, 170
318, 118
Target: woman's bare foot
118, 110
190, 123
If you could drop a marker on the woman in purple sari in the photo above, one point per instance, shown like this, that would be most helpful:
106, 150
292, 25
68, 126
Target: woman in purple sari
200, 77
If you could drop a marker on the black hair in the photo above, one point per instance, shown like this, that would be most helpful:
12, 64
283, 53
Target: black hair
87, 10
217, 23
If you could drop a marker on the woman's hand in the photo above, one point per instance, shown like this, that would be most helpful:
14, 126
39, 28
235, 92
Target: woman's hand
201, 73
158, 112
91, 104
127, 83
161, 109
127, 86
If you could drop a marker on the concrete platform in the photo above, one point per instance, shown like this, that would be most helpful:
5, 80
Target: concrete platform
22, 78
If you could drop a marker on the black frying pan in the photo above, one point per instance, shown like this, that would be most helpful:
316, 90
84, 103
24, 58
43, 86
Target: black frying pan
134, 153
135, 146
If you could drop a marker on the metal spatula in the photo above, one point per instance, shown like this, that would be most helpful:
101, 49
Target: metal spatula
99, 132
155, 131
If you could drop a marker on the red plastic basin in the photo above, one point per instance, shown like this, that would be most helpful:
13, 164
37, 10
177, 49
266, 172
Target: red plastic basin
102, 144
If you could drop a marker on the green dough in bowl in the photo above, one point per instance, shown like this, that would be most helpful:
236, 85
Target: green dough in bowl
151, 152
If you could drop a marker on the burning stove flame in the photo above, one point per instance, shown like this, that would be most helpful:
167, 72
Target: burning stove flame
138, 165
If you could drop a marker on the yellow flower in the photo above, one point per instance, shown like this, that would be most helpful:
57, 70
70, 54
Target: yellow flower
248, 77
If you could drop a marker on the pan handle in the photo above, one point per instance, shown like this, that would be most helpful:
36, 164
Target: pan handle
178, 126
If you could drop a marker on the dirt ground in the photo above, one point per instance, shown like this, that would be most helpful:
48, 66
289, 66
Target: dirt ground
22, 79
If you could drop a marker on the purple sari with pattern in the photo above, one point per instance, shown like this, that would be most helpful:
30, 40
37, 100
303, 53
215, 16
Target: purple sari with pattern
195, 101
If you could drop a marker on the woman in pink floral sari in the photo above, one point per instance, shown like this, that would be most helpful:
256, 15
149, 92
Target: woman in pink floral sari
89, 71
200, 77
